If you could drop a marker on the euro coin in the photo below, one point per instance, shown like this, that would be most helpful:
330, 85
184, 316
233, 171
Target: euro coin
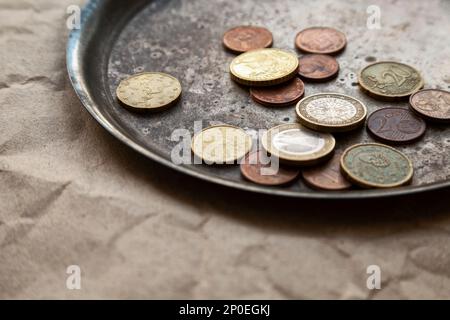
321, 40
245, 38
432, 104
284, 94
318, 67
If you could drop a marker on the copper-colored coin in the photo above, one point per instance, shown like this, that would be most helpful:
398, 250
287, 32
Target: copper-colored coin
246, 38
432, 104
281, 95
327, 176
258, 168
318, 67
396, 125
321, 40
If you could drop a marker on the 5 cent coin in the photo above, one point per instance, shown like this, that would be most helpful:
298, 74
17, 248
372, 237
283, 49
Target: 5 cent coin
245, 38
388, 80
149, 91
327, 176
258, 168
264, 67
432, 104
396, 125
331, 112
322, 40
281, 95
375, 165
318, 67
221, 144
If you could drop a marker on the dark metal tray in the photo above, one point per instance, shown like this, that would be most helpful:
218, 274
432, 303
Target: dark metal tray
183, 38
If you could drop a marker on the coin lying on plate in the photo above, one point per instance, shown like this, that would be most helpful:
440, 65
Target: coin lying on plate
396, 125
245, 38
264, 67
389, 80
221, 144
374, 165
327, 176
284, 94
321, 40
432, 104
331, 112
149, 91
318, 67
259, 169
297, 145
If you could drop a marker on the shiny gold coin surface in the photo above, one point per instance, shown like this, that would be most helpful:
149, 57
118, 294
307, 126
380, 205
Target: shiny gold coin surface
149, 91
373, 165
221, 144
389, 80
264, 67
297, 145
331, 112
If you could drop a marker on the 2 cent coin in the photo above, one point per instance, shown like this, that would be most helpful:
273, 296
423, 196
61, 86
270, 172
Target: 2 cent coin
318, 67
322, 40
259, 169
281, 95
432, 104
395, 125
245, 38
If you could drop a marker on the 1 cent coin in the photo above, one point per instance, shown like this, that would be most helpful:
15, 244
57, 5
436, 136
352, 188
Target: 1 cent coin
318, 67
331, 112
281, 95
149, 91
388, 80
221, 144
432, 104
374, 165
322, 40
396, 125
245, 38
327, 176
257, 168
264, 67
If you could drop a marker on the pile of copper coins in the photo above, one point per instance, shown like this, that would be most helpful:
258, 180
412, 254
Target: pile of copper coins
275, 78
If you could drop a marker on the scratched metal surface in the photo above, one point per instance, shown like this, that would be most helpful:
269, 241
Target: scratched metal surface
183, 38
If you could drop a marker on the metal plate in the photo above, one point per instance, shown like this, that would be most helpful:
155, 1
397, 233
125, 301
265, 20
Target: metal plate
183, 38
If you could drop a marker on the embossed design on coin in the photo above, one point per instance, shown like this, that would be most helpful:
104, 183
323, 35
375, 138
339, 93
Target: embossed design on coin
149, 91
264, 67
321, 40
245, 38
331, 112
221, 144
432, 104
318, 67
295, 144
256, 161
390, 80
327, 176
281, 95
375, 165
395, 125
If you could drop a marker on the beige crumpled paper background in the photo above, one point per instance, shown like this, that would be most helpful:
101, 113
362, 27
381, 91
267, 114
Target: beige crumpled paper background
71, 194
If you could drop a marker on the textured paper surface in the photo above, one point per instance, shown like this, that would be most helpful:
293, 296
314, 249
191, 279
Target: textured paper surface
71, 194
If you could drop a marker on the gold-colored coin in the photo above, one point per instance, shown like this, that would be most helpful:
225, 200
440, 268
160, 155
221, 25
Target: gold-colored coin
149, 91
221, 144
389, 80
297, 145
264, 67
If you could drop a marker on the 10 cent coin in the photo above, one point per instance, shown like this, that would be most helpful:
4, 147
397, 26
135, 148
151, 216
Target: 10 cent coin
245, 38
331, 112
375, 165
432, 104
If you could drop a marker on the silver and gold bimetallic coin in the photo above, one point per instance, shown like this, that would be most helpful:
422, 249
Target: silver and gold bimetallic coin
389, 80
149, 91
221, 144
296, 145
331, 112
374, 165
264, 67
